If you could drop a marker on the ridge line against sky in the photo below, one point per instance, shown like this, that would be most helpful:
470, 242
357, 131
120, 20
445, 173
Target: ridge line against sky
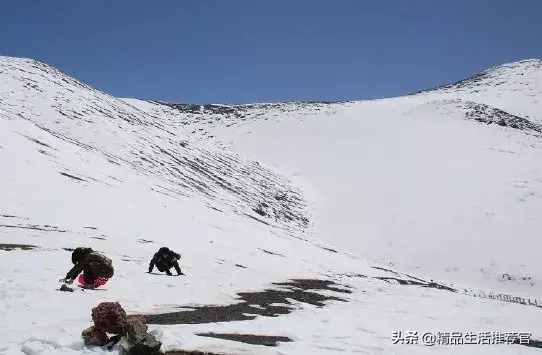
238, 52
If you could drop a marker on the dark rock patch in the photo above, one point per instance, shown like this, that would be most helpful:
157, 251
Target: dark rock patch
259, 210
44, 228
37, 141
532, 343
241, 266
296, 290
330, 250
312, 284
191, 352
384, 269
267, 340
257, 219
93, 228
10, 247
353, 275
270, 252
414, 277
65, 288
400, 281
491, 115
417, 283
144, 241
73, 177
99, 238
440, 286
9, 216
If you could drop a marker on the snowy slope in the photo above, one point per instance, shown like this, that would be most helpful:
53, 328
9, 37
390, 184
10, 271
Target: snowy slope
424, 179
513, 87
80, 167
131, 138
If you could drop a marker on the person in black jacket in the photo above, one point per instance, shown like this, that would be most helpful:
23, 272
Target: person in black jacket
165, 259
93, 265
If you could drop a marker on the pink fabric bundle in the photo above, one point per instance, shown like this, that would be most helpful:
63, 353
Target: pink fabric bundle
100, 281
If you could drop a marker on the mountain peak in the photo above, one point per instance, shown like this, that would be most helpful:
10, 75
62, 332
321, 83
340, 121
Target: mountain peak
523, 74
524, 64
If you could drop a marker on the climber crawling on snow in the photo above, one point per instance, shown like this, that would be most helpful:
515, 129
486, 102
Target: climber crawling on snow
97, 269
165, 259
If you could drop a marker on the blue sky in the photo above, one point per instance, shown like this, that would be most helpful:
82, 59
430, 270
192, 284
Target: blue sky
241, 51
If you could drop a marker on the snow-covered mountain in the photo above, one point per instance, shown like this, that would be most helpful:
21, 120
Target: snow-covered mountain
415, 181
514, 87
377, 196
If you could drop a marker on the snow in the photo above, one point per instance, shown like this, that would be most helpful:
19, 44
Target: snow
366, 326
406, 184
427, 190
513, 87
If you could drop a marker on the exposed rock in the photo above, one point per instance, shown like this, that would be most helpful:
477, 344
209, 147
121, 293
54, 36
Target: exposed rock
271, 303
131, 331
109, 317
137, 340
66, 288
135, 318
149, 346
266, 340
93, 336
10, 247
136, 329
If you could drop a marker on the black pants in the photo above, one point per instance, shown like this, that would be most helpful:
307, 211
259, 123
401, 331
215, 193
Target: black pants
166, 267
88, 276
92, 272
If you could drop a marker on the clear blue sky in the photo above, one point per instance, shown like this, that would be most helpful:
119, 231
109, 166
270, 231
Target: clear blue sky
241, 51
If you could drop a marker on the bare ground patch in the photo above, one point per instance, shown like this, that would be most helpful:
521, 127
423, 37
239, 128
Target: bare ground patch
10, 247
253, 339
267, 303
191, 352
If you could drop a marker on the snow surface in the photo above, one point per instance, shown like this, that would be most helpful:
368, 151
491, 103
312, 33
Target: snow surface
407, 183
416, 185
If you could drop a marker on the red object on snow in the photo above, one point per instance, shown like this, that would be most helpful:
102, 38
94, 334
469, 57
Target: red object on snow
100, 281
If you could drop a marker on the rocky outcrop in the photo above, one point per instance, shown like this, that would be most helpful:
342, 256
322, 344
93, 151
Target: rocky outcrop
94, 336
109, 317
131, 331
137, 341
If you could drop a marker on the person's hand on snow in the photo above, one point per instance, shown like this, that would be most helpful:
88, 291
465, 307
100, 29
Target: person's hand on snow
66, 280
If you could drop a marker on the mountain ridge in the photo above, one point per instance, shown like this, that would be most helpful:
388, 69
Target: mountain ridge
478, 77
